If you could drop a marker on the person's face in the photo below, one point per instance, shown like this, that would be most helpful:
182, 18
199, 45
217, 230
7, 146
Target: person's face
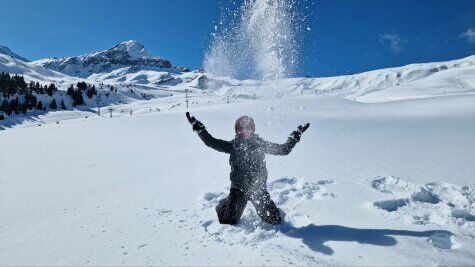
247, 133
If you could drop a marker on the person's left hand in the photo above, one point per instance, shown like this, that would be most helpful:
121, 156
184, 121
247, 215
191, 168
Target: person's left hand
296, 135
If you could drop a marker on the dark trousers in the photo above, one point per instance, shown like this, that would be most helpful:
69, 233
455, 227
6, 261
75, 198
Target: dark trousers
231, 208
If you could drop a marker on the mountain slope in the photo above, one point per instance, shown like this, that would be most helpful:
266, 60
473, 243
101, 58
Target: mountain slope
127, 54
33, 72
410, 81
6, 51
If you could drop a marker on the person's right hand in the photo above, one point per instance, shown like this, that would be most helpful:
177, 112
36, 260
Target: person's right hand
197, 125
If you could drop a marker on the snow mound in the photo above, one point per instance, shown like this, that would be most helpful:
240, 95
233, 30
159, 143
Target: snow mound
433, 203
391, 184
288, 193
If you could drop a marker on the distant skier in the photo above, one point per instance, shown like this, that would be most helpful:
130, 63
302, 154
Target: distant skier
248, 169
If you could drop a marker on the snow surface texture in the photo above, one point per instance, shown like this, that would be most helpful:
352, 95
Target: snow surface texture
436, 202
141, 189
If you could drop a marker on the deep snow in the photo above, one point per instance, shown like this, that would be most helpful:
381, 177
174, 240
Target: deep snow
387, 183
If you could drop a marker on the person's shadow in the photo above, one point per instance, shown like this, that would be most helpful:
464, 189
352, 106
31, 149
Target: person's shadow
315, 236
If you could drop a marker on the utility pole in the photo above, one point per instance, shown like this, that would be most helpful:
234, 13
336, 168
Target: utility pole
98, 102
186, 95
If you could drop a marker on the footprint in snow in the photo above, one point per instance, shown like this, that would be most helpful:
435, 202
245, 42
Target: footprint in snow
443, 240
141, 246
436, 203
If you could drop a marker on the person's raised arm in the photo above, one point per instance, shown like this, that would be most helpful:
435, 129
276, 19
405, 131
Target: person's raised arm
210, 141
286, 148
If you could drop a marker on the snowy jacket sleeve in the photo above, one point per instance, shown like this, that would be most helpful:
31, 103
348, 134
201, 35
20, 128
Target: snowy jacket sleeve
214, 143
279, 149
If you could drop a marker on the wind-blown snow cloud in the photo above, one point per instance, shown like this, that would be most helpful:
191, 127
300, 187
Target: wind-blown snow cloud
469, 34
394, 40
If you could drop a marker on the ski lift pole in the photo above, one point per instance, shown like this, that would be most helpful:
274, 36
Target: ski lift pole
186, 96
98, 102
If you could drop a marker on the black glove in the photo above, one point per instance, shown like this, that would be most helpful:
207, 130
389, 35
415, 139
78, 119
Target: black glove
197, 125
300, 130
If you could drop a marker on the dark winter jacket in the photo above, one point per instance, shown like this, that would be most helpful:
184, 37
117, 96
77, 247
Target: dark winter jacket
247, 158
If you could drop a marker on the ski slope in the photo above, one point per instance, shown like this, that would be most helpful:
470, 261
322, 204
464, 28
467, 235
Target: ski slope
370, 183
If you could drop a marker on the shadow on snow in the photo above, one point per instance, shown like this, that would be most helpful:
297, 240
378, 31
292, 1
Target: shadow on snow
314, 236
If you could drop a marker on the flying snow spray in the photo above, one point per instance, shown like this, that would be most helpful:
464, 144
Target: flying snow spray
258, 39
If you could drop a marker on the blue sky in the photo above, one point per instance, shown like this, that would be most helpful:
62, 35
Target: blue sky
346, 36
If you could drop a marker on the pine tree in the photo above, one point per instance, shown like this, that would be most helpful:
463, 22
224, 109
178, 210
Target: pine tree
70, 90
30, 101
63, 106
91, 92
4, 105
82, 86
38, 88
14, 106
51, 89
53, 104
77, 98
22, 108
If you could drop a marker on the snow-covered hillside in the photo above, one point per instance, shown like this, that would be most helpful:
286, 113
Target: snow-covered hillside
124, 85
31, 72
392, 84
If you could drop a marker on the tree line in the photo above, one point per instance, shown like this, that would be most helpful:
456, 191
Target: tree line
17, 96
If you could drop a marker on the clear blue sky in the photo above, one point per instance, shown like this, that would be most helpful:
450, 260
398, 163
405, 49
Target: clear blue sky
346, 36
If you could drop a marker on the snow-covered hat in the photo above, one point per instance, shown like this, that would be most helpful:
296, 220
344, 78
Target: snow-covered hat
244, 126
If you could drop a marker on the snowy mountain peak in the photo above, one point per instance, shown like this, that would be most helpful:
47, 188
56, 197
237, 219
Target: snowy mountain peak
130, 54
133, 48
6, 51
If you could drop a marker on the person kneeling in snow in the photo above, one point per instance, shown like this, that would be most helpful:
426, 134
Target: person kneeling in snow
248, 169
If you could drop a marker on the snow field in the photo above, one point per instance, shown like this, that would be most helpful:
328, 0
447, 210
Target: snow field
141, 189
